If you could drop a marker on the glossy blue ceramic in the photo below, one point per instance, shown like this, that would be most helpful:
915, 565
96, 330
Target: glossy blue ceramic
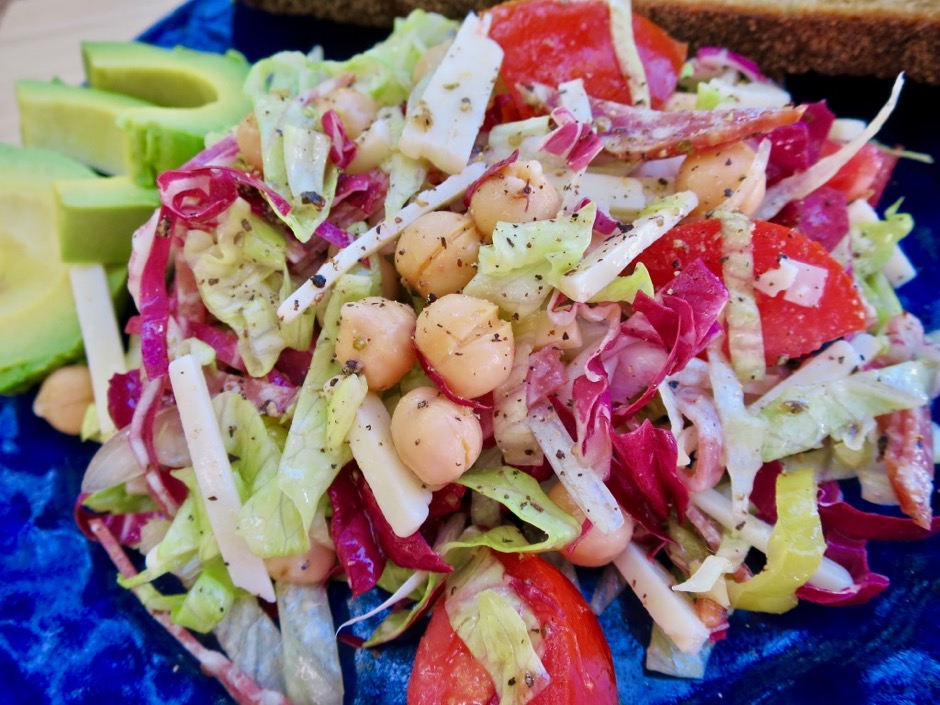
69, 634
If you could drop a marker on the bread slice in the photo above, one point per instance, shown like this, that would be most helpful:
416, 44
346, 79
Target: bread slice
838, 37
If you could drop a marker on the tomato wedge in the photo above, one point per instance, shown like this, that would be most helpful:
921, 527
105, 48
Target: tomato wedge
576, 654
790, 330
551, 41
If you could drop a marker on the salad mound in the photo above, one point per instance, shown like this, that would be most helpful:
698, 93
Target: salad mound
459, 316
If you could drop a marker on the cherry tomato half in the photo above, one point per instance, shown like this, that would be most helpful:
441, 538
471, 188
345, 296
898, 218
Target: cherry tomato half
790, 330
550, 42
576, 655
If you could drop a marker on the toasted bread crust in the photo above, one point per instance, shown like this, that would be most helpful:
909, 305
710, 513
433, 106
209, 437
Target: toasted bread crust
877, 43
852, 37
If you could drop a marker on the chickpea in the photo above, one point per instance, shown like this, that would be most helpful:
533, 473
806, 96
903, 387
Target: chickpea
437, 253
64, 397
311, 568
373, 146
517, 193
248, 137
356, 109
430, 60
375, 338
463, 338
718, 178
438, 439
594, 549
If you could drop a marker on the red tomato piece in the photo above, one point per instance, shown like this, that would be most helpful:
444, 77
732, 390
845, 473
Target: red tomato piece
790, 330
550, 42
576, 654
864, 175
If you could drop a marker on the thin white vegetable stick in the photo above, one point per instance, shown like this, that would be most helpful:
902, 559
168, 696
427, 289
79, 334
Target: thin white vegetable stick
830, 576
375, 239
401, 496
585, 486
672, 611
103, 347
214, 475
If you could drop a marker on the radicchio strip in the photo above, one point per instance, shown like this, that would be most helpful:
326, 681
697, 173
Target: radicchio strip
124, 390
356, 546
714, 60
576, 142
649, 455
493, 169
407, 552
441, 384
342, 149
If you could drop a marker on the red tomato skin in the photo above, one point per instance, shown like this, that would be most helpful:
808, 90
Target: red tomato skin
547, 41
576, 653
789, 330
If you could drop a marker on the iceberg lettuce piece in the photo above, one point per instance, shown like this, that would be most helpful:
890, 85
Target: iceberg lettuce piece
794, 551
208, 600
803, 417
526, 260
240, 280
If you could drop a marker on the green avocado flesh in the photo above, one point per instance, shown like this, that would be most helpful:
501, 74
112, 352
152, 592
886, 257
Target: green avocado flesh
96, 217
38, 324
77, 121
194, 93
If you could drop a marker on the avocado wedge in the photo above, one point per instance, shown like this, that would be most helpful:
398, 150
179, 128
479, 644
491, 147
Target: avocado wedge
77, 121
38, 325
194, 93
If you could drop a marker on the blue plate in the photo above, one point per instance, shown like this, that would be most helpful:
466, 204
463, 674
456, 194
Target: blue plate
69, 634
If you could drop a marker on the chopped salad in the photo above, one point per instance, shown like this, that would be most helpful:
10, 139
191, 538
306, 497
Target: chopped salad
452, 317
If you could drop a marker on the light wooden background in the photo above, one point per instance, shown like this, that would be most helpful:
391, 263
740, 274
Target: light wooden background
40, 39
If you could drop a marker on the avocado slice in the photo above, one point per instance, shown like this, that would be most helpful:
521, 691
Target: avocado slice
38, 324
96, 217
77, 121
195, 93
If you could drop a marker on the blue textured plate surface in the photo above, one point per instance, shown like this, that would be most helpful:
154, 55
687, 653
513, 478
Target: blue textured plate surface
69, 634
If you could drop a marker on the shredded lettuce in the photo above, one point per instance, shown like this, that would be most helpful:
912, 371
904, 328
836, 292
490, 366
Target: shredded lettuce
117, 500
344, 396
208, 600
253, 643
517, 272
276, 519
624, 289
802, 417
522, 495
873, 242
794, 552
498, 628
311, 661
240, 280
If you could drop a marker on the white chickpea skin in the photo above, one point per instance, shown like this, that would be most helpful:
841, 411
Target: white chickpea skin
374, 339
310, 568
595, 549
718, 176
464, 340
517, 193
437, 254
356, 109
248, 138
436, 438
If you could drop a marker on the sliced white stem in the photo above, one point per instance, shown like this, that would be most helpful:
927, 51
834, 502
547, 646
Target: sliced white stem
573, 96
103, 347
375, 239
214, 475
416, 580
830, 576
401, 496
585, 486
672, 611
603, 265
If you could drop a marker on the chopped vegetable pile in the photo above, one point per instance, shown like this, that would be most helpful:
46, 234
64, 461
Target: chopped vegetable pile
495, 299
